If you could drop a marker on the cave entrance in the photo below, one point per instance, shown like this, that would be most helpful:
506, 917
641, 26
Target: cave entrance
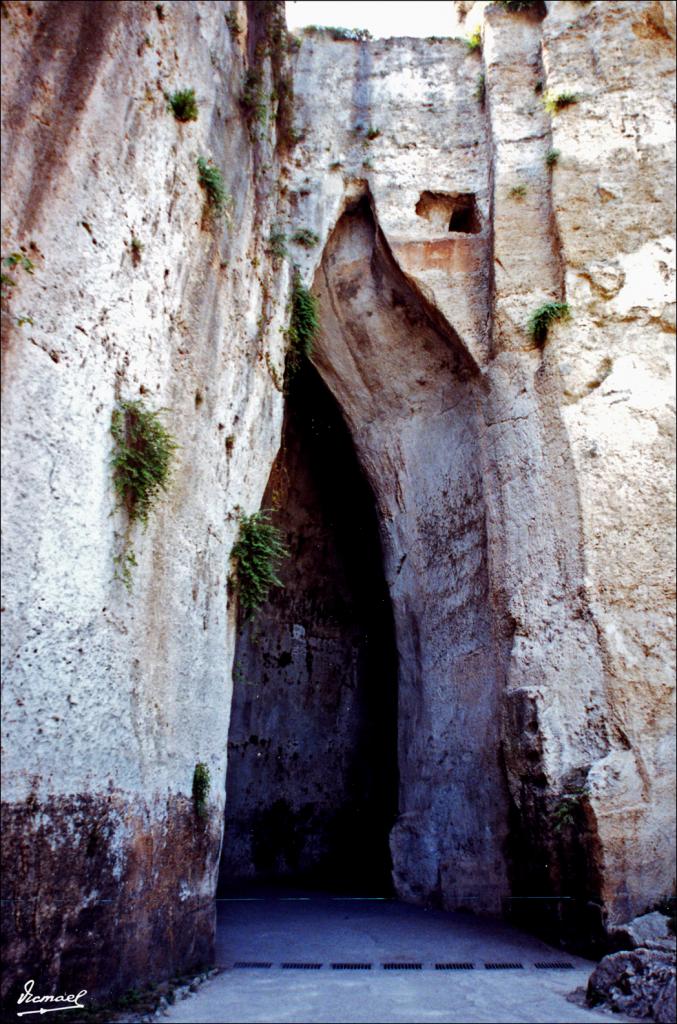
312, 751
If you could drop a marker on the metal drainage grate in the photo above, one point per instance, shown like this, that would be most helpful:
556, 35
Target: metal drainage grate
252, 963
503, 967
455, 967
402, 967
555, 965
300, 967
351, 967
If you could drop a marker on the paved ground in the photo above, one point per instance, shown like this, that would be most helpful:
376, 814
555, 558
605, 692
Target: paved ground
329, 930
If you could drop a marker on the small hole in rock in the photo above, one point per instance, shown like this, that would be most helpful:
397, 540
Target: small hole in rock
450, 211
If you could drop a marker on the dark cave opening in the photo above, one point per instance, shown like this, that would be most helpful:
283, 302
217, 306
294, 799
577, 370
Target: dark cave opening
312, 781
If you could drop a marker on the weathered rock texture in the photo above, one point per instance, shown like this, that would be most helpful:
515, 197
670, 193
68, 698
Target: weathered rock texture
650, 930
640, 983
523, 492
531, 470
112, 697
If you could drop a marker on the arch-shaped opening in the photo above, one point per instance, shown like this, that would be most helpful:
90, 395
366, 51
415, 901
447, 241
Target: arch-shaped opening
307, 800
411, 395
312, 750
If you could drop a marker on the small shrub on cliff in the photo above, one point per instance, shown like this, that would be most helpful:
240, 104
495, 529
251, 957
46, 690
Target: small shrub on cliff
201, 785
474, 42
566, 810
304, 325
277, 244
233, 24
481, 88
521, 5
337, 33
7, 283
124, 563
554, 102
136, 249
253, 98
19, 259
541, 318
15, 259
183, 105
518, 191
551, 157
211, 180
257, 556
141, 459
305, 237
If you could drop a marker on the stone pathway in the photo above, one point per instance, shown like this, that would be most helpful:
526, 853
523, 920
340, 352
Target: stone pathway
272, 931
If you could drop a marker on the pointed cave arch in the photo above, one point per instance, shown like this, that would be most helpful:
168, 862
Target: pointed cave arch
410, 393
394, 381
312, 759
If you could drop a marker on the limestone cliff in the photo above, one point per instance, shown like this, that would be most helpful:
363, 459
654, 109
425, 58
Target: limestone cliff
520, 484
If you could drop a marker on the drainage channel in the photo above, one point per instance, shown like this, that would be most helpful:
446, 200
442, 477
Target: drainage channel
541, 965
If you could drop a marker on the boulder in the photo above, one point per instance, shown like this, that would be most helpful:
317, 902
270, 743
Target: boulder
649, 931
638, 982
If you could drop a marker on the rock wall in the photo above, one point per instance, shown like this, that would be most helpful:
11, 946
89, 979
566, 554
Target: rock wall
522, 491
112, 698
483, 205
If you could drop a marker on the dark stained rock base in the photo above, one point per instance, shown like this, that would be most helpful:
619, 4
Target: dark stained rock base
100, 891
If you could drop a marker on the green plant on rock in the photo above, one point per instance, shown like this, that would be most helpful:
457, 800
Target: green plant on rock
7, 283
19, 259
474, 41
551, 157
141, 459
305, 237
257, 554
201, 785
304, 325
518, 191
253, 98
481, 88
210, 179
566, 809
373, 133
556, 101
541, 318
277, 243
124, 563
520, 5
233, 24
294, 135
137, 250
337, 33
183, 105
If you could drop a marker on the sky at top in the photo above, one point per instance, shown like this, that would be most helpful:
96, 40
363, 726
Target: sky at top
382, 17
